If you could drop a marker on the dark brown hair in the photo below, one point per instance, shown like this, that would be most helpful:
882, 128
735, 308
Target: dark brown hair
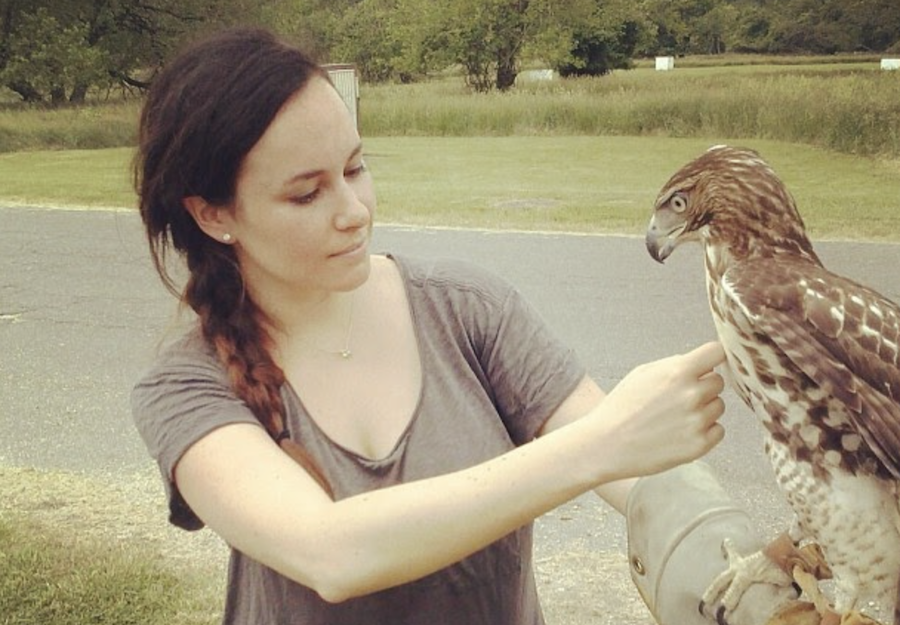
202, 115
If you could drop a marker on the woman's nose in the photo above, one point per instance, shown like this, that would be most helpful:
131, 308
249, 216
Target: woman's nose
353, 212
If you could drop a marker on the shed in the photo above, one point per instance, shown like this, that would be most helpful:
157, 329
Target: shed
665, 63
346, 81
536, 75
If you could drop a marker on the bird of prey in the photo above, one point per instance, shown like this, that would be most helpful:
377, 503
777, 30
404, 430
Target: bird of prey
815, 355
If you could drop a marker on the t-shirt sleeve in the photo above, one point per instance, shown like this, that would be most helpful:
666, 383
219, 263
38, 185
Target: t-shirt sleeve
182, 398
531, 371
526, 368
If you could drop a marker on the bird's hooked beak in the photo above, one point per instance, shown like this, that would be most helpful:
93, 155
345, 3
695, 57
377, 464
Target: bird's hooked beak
663, 232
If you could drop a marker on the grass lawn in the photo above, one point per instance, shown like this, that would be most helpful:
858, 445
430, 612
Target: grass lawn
567, 183
49, 576
78, 549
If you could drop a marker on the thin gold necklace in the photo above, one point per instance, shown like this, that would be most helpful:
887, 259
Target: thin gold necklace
346, 353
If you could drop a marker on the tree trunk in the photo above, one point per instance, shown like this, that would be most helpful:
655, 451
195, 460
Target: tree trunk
27, 92
511, 35
506, 64
506, 72
79, 92
57, 96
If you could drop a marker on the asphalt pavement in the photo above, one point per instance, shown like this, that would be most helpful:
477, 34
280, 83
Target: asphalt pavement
82, 312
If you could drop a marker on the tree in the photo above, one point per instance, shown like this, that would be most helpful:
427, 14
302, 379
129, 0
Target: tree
675, 24
385, 39
51, 61
805, 26
488, 38
876, 22
714, 28
829, 26
55, 51
752, 27
314, 25
485, 37
587, 37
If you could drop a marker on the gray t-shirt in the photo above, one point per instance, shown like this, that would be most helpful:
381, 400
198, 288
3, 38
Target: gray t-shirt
492, 373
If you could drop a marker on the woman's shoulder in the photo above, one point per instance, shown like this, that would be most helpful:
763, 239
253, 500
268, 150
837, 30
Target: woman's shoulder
187, 353
451, 276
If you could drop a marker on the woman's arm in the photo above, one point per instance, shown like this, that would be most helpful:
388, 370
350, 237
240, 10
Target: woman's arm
585, 398
677, 521
265, 505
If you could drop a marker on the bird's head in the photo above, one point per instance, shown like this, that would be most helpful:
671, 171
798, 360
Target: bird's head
728, 198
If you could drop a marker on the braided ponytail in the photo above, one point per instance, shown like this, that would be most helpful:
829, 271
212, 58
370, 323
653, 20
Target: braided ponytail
204, 112
232, 324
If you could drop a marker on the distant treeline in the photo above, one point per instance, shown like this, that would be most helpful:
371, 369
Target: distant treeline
55, 52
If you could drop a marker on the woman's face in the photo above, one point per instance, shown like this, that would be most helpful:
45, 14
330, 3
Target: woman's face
304, 201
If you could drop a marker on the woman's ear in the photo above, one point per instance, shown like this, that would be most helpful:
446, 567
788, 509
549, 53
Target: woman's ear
215, 221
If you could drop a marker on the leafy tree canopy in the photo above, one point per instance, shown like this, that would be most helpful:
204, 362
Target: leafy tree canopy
56, 51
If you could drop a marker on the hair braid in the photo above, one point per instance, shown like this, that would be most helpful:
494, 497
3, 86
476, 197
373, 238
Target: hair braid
242, 345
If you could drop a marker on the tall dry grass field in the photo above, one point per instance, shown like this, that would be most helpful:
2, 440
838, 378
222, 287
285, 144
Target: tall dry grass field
849, 108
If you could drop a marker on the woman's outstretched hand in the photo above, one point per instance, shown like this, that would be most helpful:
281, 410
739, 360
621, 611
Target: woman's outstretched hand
666, 412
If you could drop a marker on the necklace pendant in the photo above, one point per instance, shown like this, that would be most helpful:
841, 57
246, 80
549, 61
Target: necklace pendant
345, 354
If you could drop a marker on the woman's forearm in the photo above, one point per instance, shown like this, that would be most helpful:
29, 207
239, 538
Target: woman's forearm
383, 538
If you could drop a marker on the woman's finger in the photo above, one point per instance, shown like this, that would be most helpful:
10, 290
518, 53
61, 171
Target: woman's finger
703, 359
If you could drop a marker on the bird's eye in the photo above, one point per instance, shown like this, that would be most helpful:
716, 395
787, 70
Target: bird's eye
678, 203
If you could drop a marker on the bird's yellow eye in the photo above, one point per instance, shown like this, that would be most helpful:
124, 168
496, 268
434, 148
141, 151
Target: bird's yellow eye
678, 203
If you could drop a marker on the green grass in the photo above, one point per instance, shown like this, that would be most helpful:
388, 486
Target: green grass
48, 576
608, 184
571, 183
68, 177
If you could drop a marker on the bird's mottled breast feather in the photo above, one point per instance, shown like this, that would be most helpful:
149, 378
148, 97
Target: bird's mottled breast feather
842, 335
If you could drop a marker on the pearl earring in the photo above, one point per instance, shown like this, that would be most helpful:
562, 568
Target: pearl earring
226, 237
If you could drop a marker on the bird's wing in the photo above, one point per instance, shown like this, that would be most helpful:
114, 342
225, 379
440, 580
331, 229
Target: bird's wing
844, 336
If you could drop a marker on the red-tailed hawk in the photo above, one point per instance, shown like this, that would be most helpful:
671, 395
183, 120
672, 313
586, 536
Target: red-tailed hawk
814, 354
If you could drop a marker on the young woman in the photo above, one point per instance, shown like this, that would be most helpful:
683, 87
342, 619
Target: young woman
372, 435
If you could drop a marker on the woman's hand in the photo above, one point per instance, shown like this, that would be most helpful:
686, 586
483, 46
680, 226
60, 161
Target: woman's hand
664, 413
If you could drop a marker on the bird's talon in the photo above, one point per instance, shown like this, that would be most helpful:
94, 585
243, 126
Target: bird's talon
726, 590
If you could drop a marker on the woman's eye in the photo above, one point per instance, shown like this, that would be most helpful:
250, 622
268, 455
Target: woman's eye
355, 171
306, 198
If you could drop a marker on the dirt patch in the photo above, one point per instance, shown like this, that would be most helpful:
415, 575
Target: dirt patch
589, 589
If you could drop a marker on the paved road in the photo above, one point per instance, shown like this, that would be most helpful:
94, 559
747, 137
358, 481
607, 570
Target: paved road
81, 310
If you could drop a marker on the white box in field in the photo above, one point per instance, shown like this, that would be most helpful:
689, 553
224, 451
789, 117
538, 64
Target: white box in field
890, 63
346, 81
665, 63
536, 75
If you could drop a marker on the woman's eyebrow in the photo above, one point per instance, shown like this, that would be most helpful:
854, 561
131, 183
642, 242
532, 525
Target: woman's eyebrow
315, 173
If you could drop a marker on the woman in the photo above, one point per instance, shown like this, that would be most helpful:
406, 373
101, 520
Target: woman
372, 435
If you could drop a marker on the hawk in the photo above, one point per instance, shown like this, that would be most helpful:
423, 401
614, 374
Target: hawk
815, 355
